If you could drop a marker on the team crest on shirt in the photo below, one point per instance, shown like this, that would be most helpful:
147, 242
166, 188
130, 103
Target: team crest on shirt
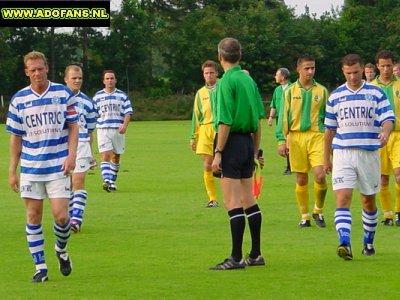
56, 100
342, 99
317, 98
398, 94
369, 97
28, 104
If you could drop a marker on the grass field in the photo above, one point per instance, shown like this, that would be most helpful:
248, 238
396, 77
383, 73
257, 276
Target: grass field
153, 239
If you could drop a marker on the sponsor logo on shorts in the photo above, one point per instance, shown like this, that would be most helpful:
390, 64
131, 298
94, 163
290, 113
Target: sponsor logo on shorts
26, 188
337, 180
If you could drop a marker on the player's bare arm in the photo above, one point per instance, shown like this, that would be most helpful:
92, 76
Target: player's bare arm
328, 137
15, 154
122, 128
387, 128
70, 161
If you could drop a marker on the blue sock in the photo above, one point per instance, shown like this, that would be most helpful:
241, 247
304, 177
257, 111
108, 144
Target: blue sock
343, 225
105, 171
79, 203
370, 220
35, 238
114, 168
62, 233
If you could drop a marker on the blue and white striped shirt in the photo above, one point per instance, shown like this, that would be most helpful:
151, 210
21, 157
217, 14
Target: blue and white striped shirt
111, 108
87, 116
41, 121
357, 116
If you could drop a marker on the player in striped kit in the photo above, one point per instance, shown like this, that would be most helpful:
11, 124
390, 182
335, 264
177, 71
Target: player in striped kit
114, 110
300, 127
358, 122
42, 121
87, 123
391, 152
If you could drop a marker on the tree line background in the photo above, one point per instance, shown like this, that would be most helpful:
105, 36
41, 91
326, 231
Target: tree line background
157, 47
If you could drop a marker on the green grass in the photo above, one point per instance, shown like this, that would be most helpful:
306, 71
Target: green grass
154, 238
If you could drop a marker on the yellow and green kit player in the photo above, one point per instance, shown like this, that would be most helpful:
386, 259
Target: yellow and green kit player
390, 153
300, 132
203, 133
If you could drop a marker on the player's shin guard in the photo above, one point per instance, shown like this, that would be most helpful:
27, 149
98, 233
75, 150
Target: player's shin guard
302, 201
79, 204
238, 223
319, 196
397, 197
62, 233
114, 168
343, 225
370, 220
210, 185
386, 202
35, 238
105, 171
254, 218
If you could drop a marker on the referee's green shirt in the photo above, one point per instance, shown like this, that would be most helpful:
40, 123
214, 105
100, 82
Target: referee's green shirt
238, 102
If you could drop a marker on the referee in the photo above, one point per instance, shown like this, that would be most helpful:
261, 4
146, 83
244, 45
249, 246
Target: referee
238, 112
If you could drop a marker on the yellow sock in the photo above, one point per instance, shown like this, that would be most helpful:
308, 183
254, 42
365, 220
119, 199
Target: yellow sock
302, 201
397, 209
319, 196
386, 202
210, 185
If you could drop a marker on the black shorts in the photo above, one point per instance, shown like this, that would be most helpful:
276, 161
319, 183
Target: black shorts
237, 159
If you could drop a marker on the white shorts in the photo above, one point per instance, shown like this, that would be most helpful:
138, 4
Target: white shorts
54, 189
354, 168
83, 157
110, 139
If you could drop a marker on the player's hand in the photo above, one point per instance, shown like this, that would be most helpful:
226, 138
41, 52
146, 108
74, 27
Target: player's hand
283, 150
93, 163
383, 138
13, 181
269, 121
122, 129
193, 144
328, 167
259, 158
69, 165
216, 164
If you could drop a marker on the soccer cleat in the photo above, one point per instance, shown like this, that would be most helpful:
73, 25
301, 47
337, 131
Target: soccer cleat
40, 276
287, 172
212, 203
75, 226
259, 261
228, 264
387, 222
319, 220
65, 264
368, 250
106, 186
304, 223
344, 251
397, 219
112, 186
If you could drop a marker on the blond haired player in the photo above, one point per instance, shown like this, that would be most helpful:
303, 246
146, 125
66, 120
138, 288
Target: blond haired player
202, 133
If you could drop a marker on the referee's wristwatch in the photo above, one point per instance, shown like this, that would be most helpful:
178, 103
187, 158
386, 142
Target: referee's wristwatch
217, 151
